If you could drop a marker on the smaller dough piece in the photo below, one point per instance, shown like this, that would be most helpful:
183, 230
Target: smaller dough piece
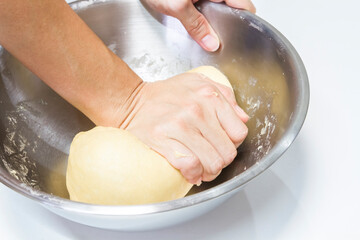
214, 74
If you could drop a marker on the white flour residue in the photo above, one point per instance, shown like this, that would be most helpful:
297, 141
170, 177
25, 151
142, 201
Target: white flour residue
262, 140
251, 24
237, 12
252, 81
258, 107
83, 4
16, 146
151, 68
253, 104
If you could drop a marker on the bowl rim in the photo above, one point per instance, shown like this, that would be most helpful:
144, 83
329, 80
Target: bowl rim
231, 185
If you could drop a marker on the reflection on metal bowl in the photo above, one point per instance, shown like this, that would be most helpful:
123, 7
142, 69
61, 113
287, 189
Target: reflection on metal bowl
37, 125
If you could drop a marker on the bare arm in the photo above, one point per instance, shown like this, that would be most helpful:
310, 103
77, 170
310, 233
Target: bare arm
55, 44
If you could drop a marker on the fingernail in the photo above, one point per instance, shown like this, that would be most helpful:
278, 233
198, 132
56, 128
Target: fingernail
211, 43
241, 111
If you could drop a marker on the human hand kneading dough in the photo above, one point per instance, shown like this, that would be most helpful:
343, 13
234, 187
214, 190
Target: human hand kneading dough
193, 122
190, 120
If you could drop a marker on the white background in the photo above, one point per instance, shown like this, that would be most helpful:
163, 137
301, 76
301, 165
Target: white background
312, 192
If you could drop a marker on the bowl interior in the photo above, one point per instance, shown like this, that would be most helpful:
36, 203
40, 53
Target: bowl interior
37, 126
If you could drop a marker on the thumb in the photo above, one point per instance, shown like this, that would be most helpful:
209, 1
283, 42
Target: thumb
198, 27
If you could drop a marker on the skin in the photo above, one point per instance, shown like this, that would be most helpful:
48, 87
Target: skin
194, 22
197, 127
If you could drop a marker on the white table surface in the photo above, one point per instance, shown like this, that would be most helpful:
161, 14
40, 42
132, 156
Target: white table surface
312, 192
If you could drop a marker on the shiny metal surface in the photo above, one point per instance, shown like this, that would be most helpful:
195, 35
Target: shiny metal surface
37, 126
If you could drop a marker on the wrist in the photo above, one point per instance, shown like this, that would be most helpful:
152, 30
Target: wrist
114, 94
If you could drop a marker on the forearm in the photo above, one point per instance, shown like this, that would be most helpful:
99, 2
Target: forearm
56, 45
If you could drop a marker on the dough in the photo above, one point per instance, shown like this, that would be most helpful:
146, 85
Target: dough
113, 167
214, 74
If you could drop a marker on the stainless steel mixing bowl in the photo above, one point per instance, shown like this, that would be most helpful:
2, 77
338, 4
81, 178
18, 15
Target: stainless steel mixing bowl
37, 126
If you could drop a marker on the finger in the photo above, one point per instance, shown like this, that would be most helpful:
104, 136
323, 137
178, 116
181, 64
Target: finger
198, 27
217, 137
234, 127
241, 113
181, 158
229, 95
210, 159
229, 119
209, 177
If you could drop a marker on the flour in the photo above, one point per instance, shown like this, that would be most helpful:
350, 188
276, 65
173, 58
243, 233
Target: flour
15, 146
151, 67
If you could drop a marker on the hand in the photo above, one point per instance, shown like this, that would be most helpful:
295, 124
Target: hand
192, 121
194, 22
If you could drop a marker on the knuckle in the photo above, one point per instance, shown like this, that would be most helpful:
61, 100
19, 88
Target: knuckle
216, 166
228, 93
193, 162
208, 178
195, 110
208, 90
159, 130
178, 123
197, 26
190, 178
241, 134
191, 168
230, 157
